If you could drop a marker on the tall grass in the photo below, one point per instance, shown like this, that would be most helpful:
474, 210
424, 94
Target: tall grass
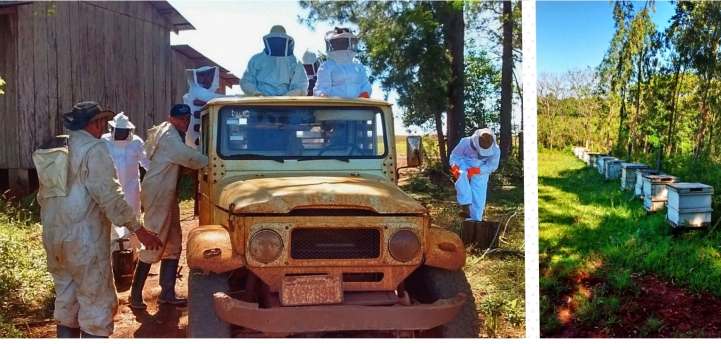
589, 227
26, 288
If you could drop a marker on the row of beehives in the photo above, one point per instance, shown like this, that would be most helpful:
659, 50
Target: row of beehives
688, 204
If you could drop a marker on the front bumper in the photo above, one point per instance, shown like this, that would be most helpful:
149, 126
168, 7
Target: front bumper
305, 319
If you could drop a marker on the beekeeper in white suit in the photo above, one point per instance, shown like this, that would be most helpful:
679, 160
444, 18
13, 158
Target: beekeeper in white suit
342, 75
127, 152
472, 162
159, 195
203, 84
275, 71
311, 64
75, 235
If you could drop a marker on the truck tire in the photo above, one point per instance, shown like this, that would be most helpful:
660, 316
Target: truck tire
445, 284
203, 322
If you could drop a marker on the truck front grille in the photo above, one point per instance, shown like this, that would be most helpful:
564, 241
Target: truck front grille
345, 243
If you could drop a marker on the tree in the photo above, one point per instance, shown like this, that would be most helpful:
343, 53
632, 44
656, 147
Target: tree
2, 82
413, 48
483, 87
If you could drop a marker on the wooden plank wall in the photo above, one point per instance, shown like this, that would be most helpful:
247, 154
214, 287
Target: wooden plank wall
179, 81
116, 53
9, 101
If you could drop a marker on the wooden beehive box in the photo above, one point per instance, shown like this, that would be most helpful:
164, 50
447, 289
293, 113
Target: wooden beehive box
602, 160
613, 169
689, 204
638, 190
628, 174
655, 193
593, 159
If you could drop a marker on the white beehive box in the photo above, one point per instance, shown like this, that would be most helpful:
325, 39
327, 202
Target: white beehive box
602, 160
592, 159
576, 151
655, 194
638, 190
689, 204
584, 156
628, 174
613, 169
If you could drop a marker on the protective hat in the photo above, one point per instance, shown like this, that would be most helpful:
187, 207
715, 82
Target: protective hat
341, 39
83, 113
120, 121
180, 110
277, 29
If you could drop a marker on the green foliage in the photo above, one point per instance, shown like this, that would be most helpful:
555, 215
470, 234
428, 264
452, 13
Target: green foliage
2, 83
26, 287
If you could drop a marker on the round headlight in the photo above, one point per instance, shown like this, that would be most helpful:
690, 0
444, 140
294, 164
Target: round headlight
265, 245
404, 245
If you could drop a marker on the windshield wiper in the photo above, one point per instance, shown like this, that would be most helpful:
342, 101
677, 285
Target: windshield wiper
322, 158
257, 156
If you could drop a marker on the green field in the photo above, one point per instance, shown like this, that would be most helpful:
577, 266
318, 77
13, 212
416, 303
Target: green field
596, 242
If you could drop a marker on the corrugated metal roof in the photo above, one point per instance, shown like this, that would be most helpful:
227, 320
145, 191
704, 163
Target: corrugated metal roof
179, 22
13, 3
204, 61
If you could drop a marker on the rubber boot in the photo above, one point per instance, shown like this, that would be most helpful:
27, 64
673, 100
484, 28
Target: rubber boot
465, 211
88, 335
68, 332
168, 274
136, 290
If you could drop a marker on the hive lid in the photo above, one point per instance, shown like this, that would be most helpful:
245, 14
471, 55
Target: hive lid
683, 188
648, 172
616, 161
634, 166
661, 178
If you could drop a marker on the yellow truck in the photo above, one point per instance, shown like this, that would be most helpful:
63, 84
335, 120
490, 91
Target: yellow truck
303, 230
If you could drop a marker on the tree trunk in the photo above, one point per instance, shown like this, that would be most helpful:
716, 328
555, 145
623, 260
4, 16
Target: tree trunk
704, 118
441, 142
678, 79
453, 36
506, 80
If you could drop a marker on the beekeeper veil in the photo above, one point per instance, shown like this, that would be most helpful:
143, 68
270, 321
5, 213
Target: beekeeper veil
475, 141
341, 45
278, 43
311, 64
121, 130
205, 77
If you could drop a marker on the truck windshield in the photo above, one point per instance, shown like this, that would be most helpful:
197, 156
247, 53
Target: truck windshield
301, 133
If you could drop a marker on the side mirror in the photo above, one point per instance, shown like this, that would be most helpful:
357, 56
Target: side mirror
414, 149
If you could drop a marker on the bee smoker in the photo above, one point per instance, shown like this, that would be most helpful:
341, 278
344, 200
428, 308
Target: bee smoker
123, 262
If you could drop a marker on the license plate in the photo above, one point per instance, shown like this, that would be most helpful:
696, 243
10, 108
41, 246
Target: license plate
311, 290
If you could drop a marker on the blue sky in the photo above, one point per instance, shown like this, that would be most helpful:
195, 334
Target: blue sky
576, 34
230, 32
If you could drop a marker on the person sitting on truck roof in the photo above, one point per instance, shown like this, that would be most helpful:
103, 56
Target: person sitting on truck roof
342, 75
275, 71
472, 162
311, 63
203, 83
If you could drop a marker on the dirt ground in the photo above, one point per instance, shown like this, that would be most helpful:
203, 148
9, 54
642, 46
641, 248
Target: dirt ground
680, 313
158, 321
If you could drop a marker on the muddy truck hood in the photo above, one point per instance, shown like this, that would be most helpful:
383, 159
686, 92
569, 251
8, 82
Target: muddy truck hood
280, 195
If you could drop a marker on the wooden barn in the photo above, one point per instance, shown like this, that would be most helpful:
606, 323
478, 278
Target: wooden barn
56, 54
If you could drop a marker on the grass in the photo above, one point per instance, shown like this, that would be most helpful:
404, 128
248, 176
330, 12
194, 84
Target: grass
497, 279
26, 288
591, 230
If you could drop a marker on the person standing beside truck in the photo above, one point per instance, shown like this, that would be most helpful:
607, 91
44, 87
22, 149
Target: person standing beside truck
75, 232
127, 152
169, 155
472, 162
275, 71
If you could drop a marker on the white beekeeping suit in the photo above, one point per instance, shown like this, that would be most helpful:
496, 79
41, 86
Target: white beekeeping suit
311, 64
342, 75
470, 159
275, 71
127, 152
203, 83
